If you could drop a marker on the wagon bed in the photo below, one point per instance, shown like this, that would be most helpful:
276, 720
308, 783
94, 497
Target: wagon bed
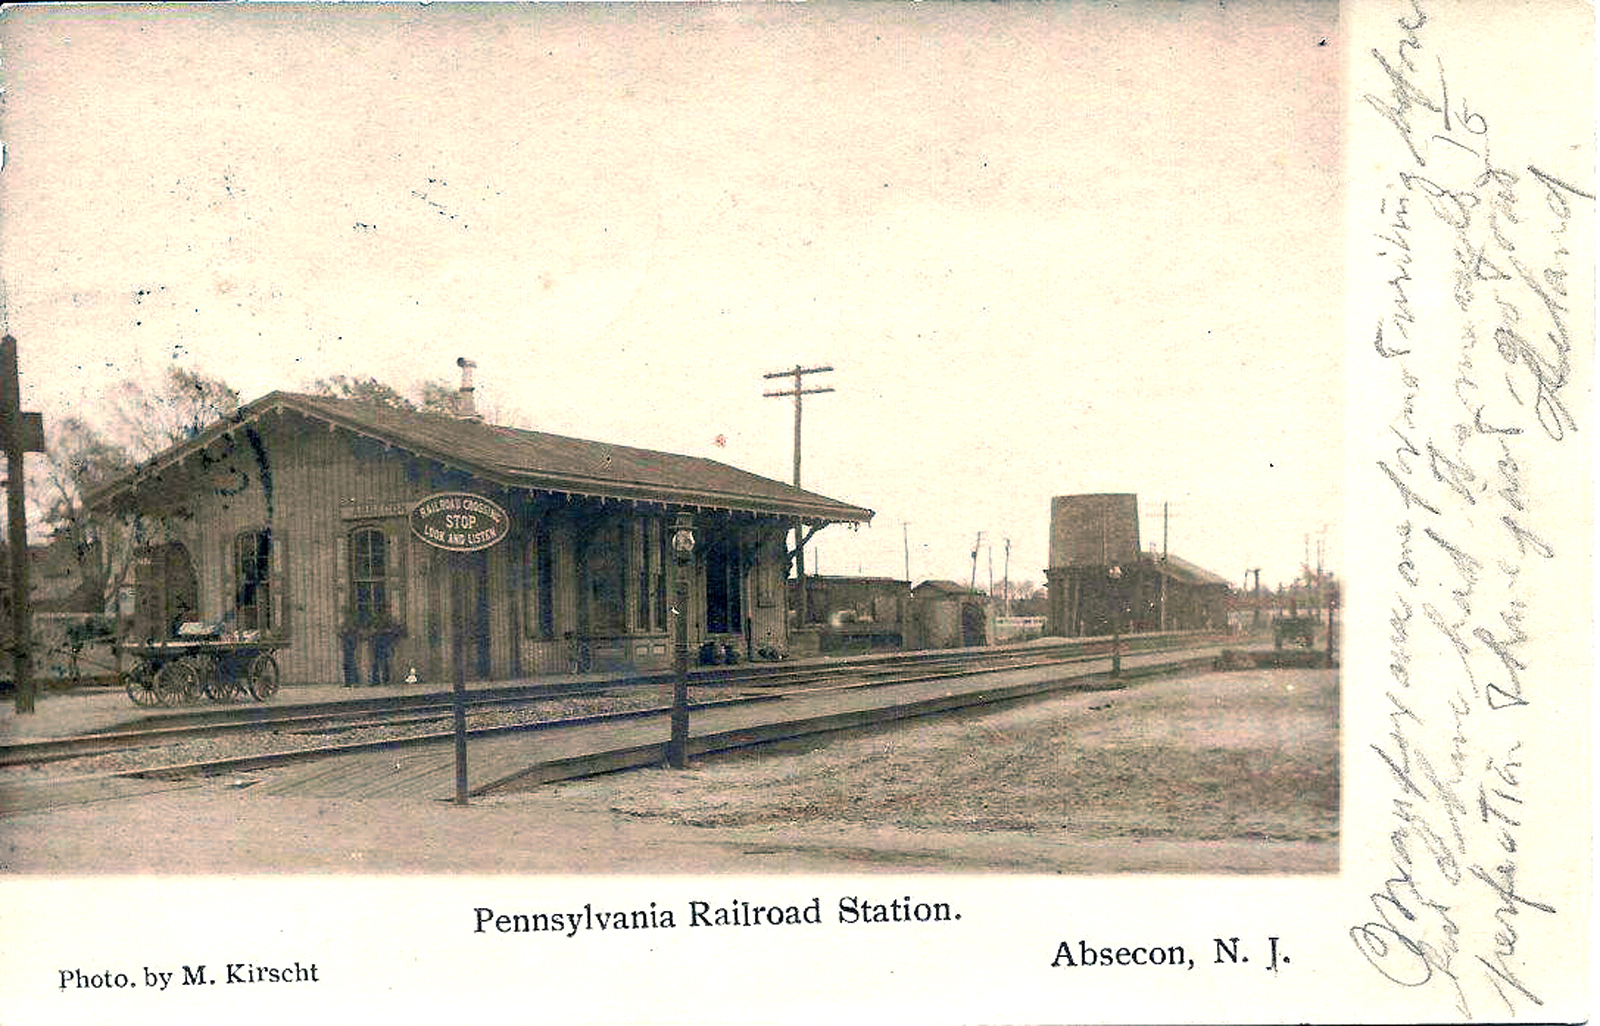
182, 671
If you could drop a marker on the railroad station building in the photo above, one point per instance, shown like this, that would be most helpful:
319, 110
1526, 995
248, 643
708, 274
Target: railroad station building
1099, 579
292, 519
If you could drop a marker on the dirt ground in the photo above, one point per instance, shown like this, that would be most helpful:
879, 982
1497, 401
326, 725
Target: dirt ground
1217, 773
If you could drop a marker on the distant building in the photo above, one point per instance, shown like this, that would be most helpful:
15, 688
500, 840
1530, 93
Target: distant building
63, 599
1092, 534
851, 615
949, 615
56, 580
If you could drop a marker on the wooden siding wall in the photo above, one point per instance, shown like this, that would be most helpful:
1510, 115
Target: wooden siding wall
313, 486
769, 624
941, 620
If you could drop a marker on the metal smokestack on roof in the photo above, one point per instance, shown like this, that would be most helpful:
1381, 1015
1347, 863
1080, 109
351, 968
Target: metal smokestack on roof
466, 409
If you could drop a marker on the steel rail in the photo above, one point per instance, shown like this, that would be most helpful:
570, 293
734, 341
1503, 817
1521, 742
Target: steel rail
409, 709
264, 760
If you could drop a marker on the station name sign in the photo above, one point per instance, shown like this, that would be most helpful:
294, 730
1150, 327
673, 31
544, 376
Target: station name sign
459, 521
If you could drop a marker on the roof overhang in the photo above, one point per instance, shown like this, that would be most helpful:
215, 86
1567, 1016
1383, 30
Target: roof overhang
803, 507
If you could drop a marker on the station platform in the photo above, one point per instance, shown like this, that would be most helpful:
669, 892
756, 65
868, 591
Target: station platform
522, 759
69, 713
517, 761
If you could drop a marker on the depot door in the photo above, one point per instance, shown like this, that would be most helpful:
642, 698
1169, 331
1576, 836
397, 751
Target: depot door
458, 608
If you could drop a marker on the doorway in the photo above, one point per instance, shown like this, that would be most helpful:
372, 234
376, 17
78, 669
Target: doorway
457, 619
166, 591
972, 625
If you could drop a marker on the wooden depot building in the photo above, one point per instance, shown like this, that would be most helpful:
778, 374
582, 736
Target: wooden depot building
292, 519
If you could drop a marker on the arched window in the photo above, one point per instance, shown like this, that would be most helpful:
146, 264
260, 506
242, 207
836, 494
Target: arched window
252, 570
369, 573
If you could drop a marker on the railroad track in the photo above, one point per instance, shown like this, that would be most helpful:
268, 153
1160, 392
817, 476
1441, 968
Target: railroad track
350, 714
760, 682
412, 709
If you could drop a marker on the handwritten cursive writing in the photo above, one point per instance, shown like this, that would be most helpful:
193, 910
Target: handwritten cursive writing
1472, 256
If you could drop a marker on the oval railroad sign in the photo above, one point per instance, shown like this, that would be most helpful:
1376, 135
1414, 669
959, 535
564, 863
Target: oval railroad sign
459, 521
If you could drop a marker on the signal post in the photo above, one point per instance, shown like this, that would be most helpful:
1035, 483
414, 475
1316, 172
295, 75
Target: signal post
459, 523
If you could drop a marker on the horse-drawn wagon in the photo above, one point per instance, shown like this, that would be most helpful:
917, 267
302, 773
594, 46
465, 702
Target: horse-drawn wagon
224, 666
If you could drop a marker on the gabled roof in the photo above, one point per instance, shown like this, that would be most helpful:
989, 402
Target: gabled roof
1193, 573
516, 458
945, 588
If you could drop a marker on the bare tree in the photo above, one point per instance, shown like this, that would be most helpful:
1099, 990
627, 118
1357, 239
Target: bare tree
432, 396
81, 457
365, 390
78, 459
147, 422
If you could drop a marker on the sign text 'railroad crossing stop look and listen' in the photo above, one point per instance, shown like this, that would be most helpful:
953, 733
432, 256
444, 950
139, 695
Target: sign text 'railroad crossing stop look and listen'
459, 521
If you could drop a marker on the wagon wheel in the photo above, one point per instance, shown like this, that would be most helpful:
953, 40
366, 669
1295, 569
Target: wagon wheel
263, 676
196, 689
221, 687
141, 685
226, 688
177, 683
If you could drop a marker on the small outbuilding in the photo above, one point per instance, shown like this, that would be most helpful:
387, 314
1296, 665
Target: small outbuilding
945, 614
849, 615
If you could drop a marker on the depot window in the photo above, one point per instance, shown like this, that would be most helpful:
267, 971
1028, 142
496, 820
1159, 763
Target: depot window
369, 573
608, 579
252, 569
724, 614
538, 576
650, 590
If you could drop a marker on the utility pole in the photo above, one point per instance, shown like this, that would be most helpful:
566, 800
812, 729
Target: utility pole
21, 433
1007, 585
683, 564
799, 531
905, 535
977, 544
1163, 566
1322, 541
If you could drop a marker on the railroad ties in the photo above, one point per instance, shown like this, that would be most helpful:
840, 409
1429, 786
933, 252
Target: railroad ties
768, 703
511, 762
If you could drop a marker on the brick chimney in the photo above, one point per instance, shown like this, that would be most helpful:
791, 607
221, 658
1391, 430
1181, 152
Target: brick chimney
466, 409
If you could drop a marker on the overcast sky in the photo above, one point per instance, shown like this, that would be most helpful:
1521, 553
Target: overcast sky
1047, 249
